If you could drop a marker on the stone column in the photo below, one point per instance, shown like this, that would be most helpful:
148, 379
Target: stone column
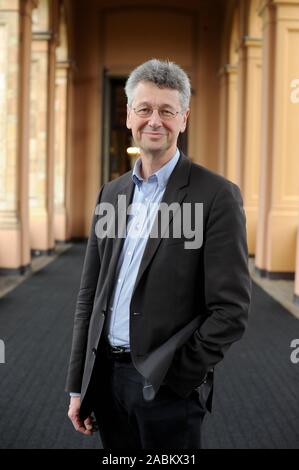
222, 120
232, 167
42, 130
15, 40
227, 163
249, 123
279, 188
61, 151
62, 163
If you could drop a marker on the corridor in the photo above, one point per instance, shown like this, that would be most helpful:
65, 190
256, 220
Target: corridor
256, 387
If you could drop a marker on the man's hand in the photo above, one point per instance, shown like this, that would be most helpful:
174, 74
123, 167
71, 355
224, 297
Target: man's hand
87, 427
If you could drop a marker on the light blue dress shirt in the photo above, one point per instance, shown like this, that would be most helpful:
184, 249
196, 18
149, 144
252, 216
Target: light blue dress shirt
146, 199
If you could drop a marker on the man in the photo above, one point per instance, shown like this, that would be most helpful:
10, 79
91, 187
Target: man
157, 311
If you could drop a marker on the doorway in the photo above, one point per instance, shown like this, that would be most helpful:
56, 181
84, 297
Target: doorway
116, 137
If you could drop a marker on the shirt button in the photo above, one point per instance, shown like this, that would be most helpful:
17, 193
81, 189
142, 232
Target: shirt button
129, 253
119, 280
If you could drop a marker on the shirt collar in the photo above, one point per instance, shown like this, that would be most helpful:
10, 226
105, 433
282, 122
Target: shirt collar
162, 175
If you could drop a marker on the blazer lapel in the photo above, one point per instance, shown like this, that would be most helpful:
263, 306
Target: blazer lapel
175, 191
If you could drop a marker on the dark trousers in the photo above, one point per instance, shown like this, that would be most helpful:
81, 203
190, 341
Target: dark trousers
127, 421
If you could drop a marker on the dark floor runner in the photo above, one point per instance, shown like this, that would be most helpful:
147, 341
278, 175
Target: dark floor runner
256, 389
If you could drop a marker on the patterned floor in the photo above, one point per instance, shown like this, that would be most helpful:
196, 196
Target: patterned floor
256, 402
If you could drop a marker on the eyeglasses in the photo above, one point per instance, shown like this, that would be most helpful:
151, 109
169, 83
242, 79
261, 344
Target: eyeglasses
164, 113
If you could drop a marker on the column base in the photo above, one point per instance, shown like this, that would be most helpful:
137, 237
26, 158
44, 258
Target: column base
41, 238
36, 253
60, 224
15, 271
275, 275
281, 242
14, 259
251, 223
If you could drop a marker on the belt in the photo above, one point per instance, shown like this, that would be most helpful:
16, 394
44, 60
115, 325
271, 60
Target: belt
118, 353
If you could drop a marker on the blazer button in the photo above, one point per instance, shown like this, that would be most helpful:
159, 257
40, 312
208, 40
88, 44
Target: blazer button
94, 351
136, 313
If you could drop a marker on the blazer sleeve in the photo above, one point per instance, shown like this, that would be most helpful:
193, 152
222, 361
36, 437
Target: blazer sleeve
84, 306
227, 288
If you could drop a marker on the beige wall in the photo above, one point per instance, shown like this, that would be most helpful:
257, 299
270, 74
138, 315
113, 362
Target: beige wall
203, 141
129, 40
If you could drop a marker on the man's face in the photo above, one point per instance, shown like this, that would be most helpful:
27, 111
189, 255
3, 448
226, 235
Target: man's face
154, 134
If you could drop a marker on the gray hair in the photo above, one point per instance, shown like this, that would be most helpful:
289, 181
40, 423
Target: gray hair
164, 74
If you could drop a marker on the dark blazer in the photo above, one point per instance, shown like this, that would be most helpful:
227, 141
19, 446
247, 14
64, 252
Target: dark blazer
188, 305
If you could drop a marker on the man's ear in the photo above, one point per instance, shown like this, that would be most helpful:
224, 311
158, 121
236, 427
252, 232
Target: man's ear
128, 123
185, 119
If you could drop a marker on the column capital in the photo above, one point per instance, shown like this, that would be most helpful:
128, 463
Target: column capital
271, 3
47, 36
64, 64
42, 35
286, 2
263, 5
228, 69
28, 5
9, 219
250, 41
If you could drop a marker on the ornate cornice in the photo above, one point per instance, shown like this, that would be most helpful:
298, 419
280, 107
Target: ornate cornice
252, 41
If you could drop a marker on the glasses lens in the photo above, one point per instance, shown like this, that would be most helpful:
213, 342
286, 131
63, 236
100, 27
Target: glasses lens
164, 113
143, 111
167, 113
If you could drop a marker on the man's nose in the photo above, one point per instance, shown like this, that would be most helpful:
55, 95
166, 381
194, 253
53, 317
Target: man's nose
155, 120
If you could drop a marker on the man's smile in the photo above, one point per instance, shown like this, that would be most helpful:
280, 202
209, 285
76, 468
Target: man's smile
153, 134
